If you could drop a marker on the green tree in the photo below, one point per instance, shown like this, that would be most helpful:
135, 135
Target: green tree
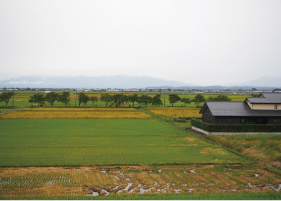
211, 98
83, 98
173, 98
64, 98
198, 99
156, 100
145, 99
94, 99
51, 97
222, 98
119, 99
219, 98
37, 98
255, 95
106, 98
6, 96
185, 101
133, 98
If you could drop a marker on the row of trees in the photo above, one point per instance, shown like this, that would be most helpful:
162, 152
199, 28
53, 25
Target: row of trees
50, 98
197, 99
120, 99
117, 99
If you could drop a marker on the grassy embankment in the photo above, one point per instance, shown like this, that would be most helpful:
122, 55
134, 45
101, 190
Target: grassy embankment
263, 147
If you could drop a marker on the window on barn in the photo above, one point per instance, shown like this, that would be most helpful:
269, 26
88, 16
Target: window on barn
274, 120
229, 121
277, 120
275, 106
242, 120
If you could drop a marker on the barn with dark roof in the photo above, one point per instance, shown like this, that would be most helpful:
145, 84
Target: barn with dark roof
264, 109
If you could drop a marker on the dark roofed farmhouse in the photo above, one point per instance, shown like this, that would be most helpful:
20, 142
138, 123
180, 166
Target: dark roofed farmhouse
265, 109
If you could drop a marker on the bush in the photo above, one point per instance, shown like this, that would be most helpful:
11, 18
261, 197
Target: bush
178, 120
236, 127
188, 118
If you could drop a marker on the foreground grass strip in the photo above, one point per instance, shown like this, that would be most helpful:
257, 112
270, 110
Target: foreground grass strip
224, 196
58, 142
76, 115
136, 180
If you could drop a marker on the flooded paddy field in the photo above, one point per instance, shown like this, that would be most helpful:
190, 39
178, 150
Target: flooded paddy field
136, 180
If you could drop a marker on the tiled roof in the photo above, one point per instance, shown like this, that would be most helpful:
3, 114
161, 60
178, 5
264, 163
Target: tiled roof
236, 108
269, 97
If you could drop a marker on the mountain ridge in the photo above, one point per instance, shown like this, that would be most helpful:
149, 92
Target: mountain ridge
124, 81
116, 81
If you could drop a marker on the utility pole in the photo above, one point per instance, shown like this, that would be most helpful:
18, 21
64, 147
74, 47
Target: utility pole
76, 98
13, 97
164, 97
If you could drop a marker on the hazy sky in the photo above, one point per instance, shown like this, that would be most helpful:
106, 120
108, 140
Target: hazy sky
199, 42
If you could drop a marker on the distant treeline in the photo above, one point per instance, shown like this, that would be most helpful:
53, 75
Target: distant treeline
116, 100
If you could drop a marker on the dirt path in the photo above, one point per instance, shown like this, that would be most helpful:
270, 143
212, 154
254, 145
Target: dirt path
17, 108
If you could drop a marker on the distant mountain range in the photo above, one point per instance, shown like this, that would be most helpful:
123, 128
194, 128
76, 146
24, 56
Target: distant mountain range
124, 81
117, 81
264, 81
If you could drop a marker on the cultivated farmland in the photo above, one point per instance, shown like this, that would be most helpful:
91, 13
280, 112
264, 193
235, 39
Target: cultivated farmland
75, 115
27, 142
135, 180
122, 153
175, 111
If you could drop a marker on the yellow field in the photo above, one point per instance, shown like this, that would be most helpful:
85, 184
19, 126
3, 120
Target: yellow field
73, 96
76, 115
79, 109
175, 111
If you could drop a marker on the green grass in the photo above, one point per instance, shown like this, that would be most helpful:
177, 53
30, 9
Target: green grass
60, 142
16, 103
203, 196
260, 141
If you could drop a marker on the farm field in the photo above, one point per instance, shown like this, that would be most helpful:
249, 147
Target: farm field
59, 142
136, 180
175, 111
119, 158
75, 115
77, 109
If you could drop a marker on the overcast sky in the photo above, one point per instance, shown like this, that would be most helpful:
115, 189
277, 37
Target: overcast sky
198, 42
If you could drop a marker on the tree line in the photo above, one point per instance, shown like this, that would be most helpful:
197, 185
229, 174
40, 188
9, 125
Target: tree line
112, 100
116, 100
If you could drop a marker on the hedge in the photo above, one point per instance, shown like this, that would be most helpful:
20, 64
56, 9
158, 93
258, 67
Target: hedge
236, 127
188, 118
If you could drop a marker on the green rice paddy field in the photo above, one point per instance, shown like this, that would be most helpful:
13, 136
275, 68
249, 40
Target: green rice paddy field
58, 142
